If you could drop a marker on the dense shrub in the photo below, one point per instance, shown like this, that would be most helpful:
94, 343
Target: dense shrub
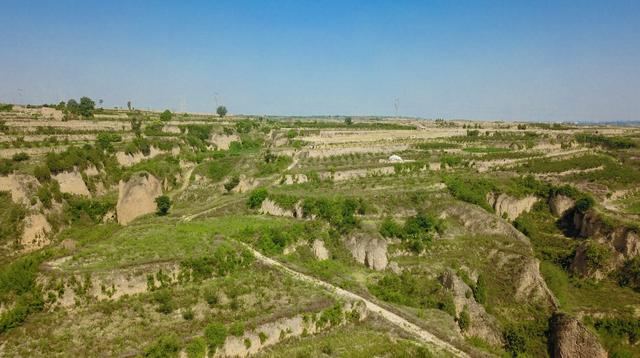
596, 255
164, 347
339, 212
166, 115
74, 156
163, 203
20, 157
225, 259
42, 173
11, 218
584, 203
256, 197
471, 190
215, 334
164, 299
80, 208
515, 341
480, 290
625, 328
629, 274
104, 140
7, 166
232, 183
464, 321
5, 107
196, 348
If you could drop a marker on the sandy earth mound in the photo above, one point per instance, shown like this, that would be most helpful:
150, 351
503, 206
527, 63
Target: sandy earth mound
136, 197
319, 250
560, 205
222, 142
370, 251
509, 207
35, 232
19, 185
72, 183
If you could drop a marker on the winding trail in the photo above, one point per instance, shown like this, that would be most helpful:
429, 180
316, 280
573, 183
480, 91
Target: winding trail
393, 318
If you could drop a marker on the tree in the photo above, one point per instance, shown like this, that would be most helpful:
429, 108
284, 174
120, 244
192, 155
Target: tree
222, 111
73, 106
129, 105
348, 121
136, 124
166, 115
86, 107
100, 101
163, 203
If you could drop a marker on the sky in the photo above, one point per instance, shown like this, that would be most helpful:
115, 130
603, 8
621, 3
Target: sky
491, 60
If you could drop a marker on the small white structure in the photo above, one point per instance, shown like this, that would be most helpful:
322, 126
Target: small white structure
395, 159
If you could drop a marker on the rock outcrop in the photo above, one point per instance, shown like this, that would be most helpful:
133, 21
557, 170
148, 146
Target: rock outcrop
482, 324
571, 339
368, 250
319, 250
136, 197
509, 207
560, 205
72, 183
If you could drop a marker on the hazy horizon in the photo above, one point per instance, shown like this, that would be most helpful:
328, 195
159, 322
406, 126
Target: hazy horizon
510, 61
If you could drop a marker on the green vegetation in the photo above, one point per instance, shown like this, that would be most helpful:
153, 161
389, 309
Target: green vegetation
6, 107
166, 115
417, 230
221, 111
608, 142
470, 189
215, 335
163, 203
256, 197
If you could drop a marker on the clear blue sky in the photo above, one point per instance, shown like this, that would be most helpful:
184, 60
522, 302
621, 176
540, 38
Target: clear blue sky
510, 59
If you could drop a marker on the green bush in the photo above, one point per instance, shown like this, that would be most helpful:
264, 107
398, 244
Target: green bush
42, 173
164, 299
225, 259
608, 142
597, 255
166, 115
232, 183
236, 329
79, 207
480, 290
215, 334
515, 341
471, 190
163, 204
584, 203
464, 321
256, 197
11, 218
196, 348
164, 347
6, 107
624, 328
20, 157
629, 274
6, 166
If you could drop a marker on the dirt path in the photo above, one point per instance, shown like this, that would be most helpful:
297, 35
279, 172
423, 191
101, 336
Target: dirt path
402, 323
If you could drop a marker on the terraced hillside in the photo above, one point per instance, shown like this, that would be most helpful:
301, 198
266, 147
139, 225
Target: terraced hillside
139, 233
